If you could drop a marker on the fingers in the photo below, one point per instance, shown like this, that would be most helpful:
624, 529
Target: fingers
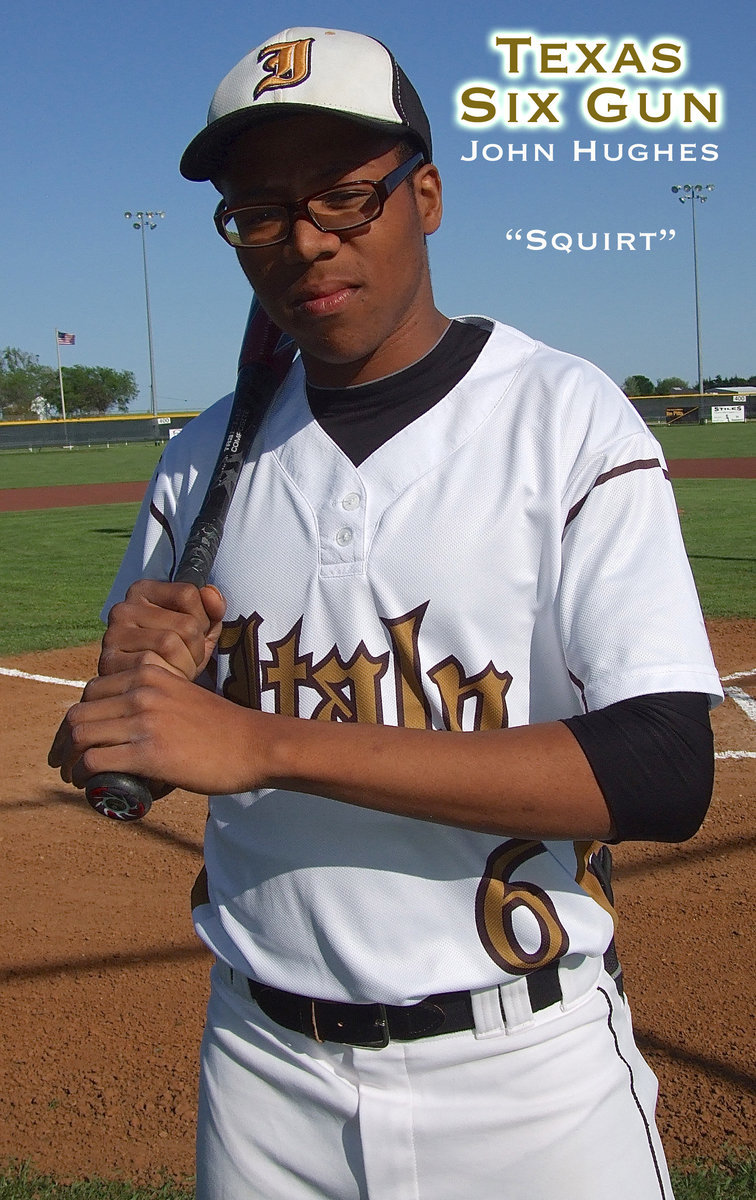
91, 722
213, 603
125, 647
170, 625
215, 607
148, 722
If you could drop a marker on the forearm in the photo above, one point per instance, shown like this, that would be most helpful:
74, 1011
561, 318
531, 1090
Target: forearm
531, 781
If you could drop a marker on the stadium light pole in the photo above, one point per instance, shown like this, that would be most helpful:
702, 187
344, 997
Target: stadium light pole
694, 192
143, 221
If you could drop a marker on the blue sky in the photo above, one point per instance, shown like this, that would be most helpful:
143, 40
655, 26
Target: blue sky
101, 99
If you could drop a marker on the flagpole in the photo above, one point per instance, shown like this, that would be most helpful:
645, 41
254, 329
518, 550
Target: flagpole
62, 395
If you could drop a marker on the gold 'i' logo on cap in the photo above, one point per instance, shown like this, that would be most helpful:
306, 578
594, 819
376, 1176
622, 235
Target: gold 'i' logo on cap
286, 64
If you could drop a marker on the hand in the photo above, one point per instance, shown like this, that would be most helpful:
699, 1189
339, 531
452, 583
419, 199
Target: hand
170, 625
152, 722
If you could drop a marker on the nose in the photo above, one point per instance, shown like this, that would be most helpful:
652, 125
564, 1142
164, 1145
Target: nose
308, 243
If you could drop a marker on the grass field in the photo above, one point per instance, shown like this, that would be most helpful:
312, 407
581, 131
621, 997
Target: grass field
136, 461
96, 464
57, 567
718, 518
733, 1179
708, 441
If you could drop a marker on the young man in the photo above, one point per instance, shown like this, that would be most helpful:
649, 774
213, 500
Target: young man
445, 675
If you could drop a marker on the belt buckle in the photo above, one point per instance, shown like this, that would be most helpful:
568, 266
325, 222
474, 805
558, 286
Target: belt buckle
330, 1030
382, 1040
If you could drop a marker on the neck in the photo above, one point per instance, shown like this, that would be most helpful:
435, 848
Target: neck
403, 348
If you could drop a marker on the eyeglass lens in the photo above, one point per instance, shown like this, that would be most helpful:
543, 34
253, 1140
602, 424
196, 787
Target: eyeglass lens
341, 208
345, 207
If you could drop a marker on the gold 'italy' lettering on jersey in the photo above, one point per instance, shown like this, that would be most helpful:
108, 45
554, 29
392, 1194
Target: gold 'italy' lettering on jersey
287, 671
238, 639
487, 691
350, 689
587, 879
412, 708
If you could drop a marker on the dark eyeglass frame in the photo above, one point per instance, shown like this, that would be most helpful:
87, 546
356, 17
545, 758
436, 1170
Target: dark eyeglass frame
382, 188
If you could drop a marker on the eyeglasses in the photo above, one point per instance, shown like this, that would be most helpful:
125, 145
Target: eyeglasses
354, 203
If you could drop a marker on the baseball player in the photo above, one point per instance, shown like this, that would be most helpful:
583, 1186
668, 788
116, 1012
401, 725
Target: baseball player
455, 647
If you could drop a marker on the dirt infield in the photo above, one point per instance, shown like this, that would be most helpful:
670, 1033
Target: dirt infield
74, 495
23, 499
712, 468
104, 984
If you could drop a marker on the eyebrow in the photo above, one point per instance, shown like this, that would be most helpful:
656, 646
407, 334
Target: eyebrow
332, 177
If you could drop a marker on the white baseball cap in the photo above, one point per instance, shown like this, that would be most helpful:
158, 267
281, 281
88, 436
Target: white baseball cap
305, 69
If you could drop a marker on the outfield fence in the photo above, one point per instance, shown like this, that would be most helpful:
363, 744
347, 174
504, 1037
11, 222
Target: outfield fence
679, 409
91, 431
692, 408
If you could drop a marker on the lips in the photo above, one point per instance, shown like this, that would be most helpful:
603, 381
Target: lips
323, 299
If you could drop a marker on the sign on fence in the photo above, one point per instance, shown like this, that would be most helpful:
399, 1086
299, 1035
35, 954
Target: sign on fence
721, 413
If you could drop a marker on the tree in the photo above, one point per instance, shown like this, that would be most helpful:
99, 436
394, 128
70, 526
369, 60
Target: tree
638, 385
730, 381
22, 380
93, 391
89, 391
673, 383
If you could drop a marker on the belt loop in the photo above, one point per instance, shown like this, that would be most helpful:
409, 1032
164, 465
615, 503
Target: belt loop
515, 1004
232, 979
577, 976
487, 1013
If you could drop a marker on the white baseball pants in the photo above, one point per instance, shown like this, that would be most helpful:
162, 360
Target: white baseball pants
556, 1105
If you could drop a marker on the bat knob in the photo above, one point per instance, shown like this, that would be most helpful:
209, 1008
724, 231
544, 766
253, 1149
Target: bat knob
121, 797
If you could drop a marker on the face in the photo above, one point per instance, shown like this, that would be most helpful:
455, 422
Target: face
358, 303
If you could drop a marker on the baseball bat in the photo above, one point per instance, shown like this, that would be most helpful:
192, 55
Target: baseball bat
265, 357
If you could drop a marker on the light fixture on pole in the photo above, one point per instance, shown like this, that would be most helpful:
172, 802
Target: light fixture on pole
142, 221
693, 192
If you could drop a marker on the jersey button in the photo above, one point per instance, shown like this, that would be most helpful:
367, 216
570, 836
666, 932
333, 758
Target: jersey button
344, 537
351, 501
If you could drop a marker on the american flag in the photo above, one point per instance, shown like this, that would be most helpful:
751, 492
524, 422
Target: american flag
66, 339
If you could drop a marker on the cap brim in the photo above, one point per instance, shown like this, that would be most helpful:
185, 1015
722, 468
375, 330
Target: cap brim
206, 154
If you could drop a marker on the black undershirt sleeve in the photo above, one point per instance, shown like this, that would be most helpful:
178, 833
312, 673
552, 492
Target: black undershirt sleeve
653, 758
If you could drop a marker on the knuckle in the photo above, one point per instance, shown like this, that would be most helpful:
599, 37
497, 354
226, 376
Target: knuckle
107, 662
88, 764
148, 677
145, 658
77, 735
167, 642
118, 615
135, 591
141, 678
116, 612
186, 594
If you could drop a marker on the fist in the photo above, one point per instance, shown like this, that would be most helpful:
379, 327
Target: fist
170, 625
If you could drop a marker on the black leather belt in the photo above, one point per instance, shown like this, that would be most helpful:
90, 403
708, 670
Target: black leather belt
375, 1025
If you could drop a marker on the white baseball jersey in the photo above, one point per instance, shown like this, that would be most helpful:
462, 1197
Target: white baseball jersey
512, 556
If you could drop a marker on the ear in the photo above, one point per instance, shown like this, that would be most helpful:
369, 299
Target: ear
427, 183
